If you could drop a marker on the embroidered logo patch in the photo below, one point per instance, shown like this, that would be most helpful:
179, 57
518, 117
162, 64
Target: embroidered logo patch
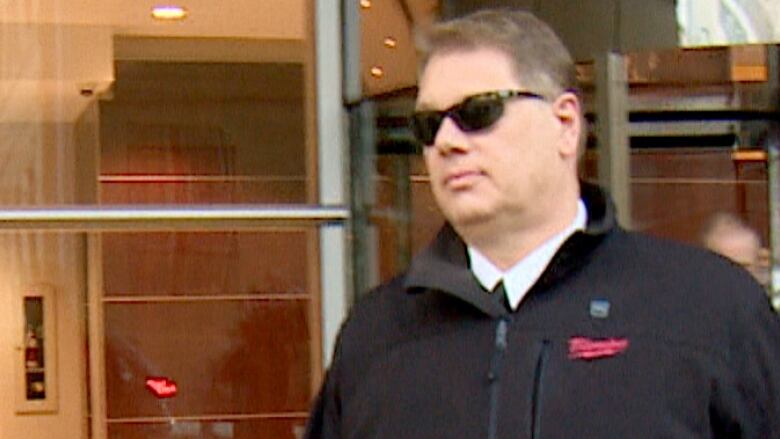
599, 308
584, 348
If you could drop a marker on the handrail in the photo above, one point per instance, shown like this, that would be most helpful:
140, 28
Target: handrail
166, 217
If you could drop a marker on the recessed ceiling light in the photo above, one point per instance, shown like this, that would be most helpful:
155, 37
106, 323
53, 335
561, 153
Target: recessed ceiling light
169, 13
390, 42
377, 72
365, 4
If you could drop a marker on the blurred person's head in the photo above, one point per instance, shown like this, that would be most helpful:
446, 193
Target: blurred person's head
729, 236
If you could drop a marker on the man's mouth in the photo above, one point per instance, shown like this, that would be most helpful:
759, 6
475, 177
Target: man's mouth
462, 179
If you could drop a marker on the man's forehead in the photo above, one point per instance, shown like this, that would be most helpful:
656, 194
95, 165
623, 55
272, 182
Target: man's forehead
451, 76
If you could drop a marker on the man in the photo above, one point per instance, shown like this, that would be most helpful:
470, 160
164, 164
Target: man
729, 236
533, 314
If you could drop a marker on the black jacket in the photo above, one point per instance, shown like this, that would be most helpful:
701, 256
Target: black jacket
623, 336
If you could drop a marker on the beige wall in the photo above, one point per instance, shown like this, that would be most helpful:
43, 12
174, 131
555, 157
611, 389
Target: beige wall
38, 166
56, 260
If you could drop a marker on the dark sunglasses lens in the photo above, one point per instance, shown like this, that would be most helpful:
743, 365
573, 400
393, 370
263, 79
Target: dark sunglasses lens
425, 125
479, 113
473, 114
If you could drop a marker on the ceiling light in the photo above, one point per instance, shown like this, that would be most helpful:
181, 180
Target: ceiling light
169, 13
390, 42
365, 4
377, 72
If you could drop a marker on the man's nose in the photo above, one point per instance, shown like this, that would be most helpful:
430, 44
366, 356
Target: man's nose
450, 137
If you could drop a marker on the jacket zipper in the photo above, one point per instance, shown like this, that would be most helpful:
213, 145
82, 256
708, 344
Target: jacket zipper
499, 350
538, 389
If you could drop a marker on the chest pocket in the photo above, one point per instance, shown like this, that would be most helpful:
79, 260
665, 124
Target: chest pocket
637, 386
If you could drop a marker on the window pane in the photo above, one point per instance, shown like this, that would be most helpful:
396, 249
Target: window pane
677, 190
167, 133
151, 264
225, 357
34, 353
101, 104
249, 429
204, 132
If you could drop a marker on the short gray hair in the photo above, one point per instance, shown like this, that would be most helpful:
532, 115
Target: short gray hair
540, 59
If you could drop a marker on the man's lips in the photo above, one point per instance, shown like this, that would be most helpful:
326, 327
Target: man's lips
462, 178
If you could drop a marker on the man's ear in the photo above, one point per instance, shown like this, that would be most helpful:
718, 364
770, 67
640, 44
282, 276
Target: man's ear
568, 110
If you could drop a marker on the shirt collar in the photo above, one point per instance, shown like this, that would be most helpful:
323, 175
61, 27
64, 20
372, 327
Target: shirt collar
519, 278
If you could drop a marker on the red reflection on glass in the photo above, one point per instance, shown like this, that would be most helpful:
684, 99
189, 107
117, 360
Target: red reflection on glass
161, 387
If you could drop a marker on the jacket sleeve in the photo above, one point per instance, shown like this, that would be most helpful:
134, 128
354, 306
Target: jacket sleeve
325, 415
756, 366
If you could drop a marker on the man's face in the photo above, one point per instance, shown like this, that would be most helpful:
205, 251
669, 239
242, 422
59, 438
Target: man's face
509, 171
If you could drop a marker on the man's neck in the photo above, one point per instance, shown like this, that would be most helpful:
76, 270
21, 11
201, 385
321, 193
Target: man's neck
507, 241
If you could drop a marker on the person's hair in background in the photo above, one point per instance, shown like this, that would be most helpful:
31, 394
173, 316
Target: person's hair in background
729, 236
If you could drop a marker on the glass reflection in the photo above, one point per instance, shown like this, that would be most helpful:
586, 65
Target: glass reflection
152, 264
226, 358
241, 429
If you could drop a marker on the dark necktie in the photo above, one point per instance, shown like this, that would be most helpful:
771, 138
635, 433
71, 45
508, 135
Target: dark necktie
499, 295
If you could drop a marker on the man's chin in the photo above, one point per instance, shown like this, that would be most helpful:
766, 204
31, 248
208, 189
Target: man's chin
472, 217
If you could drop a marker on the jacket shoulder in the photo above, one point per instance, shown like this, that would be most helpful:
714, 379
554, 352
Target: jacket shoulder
686, 274
684, 260
376, 317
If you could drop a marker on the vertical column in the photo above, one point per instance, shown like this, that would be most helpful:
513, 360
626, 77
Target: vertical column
333, 159
611, 107
96, 337
773, 172
362, 131
773, 162
362, 153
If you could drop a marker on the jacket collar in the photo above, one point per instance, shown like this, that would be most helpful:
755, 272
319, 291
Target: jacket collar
601, 211
443, 265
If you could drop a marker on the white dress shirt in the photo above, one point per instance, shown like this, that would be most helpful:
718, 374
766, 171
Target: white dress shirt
519, 278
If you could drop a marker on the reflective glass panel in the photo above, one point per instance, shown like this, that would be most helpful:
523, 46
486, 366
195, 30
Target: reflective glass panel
220, 263
207, 358
243, 429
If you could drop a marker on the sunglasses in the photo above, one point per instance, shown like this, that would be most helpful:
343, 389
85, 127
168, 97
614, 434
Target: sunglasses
474, 113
